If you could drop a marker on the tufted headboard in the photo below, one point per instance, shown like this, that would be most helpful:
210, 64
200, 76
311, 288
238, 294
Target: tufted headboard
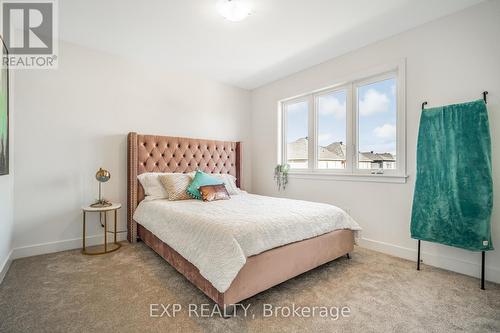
152, 153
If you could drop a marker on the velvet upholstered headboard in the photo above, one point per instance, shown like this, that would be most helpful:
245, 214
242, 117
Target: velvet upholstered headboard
153, 153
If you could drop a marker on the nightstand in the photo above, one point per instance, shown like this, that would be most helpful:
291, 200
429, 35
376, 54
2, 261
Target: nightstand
103, 213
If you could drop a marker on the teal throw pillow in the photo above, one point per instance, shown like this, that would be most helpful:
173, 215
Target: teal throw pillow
201, 179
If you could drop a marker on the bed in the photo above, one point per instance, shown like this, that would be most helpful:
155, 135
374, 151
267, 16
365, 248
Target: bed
232, 249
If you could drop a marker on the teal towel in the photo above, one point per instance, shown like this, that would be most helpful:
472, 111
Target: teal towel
453, 195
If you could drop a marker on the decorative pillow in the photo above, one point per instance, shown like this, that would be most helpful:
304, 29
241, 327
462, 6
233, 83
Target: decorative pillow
201, 179
153, 189
229, 181
176, 185
214, 192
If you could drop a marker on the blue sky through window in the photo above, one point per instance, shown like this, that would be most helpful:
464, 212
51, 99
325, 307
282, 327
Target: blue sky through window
297, 121
332, 118
377, 118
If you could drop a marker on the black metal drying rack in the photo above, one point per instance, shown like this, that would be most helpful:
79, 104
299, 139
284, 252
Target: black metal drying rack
483, 253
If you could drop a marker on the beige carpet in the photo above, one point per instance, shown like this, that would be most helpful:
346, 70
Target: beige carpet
69, 292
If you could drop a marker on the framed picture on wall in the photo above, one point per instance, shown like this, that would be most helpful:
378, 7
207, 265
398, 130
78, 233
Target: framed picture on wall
4, 112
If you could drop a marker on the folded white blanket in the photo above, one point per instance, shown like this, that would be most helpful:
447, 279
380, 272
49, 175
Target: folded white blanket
218, 236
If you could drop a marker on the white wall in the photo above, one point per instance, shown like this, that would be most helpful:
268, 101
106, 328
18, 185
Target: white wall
6, 222
7, 199
73, 120
450, 60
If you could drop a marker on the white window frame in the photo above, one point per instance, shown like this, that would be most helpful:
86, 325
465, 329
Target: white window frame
350, 85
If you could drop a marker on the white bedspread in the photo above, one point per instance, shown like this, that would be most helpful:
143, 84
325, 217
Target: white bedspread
218, 236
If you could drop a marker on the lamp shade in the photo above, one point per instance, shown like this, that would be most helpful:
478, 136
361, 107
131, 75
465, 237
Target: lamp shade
102, 175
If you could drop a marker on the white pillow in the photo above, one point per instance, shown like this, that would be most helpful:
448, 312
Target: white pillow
229, 182
153, 188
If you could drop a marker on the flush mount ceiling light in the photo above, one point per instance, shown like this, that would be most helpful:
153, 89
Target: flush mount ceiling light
234, 10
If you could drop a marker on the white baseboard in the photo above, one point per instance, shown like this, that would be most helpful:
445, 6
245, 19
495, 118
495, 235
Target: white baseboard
5, 266
448, 263
452, 264
64, 245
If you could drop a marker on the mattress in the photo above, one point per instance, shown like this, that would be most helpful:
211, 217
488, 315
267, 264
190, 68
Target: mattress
217, 237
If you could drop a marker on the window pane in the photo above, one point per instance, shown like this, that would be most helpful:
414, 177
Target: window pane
296, 134
332, 130
377, 125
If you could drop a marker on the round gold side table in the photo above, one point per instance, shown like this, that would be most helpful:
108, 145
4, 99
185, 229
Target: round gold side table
103, 211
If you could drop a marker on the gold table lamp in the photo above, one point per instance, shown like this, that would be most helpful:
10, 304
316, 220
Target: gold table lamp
102, 176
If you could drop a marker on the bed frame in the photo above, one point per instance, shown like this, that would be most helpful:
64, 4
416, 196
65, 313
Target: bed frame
151, 153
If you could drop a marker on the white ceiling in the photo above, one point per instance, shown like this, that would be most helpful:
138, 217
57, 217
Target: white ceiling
281, 36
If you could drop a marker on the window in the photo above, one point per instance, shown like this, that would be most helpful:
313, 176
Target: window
356, 128
377, 126
332, 136
297, 121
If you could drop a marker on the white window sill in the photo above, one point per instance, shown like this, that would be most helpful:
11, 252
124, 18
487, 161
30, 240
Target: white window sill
348, 177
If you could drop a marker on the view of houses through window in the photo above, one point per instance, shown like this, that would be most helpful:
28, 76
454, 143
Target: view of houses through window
374, 119
377, 125
332, 115
333, 156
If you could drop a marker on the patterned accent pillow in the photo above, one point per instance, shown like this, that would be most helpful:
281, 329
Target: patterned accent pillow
176, 185
214, 192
